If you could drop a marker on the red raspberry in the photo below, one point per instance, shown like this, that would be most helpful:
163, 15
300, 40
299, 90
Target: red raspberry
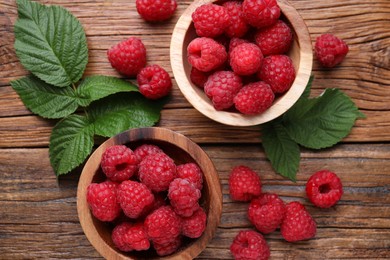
198, 77
128, 57
297, 224
206, 54
244, 183
146, 149
261, 13
324, 189
192, 173
135, 198
210, 20
195, 225
330, 50
245, 59
278, 71
238, 26
234, 42
101, 198
118, 163
154, 82
184, 197
254, 98
266, 212
157, 171
249, 245
168, 248
221, 87
127, 237
275, 39
153, 11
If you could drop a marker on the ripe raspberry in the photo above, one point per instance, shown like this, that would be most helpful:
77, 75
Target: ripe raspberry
330, 50
261, 13
210, 20
192, 173
297, 224
153, 11
221, 87
266, 212
157, 171
234, 42
206, 54
128, 237
275, 39
238, 26
135, 198
244, 183
184, 197
128, 57
324, 189
101, 198
278, 71
254, 98
118, 163
168, 248
198, 77
194, 225
245, 59
249, 245
146, 149
154, 82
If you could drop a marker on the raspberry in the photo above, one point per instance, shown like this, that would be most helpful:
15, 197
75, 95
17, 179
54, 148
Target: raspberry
153, 11
192, 173
330, 50
194, 225
198, 77
128, 237
210, 20
244, 183
154, 82
275, 39
135, 198
168, 248
101, 198
324, 189
238, 26
278, 71
254, 98
118, 163
245, 59
266, 212
234, 42
128, 57
184, 197
261, 13
249, 245
146, 149
157, 171
221, 87
297, 224
206, 54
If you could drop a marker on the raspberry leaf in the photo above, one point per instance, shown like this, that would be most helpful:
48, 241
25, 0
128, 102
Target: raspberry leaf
306, 92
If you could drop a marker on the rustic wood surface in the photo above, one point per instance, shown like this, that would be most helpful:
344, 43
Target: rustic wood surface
38, 217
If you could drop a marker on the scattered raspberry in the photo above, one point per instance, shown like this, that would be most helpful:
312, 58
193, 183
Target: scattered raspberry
249, 245
168, 248
192, 173
146, 149
128, 57
278, 71
101, 198
134, 198
210, 20
118, 163
198, 77
154, 82
153, 11
238, 26
221, 87
234, 42
244, 183
261, 13
297, 224
128, 237
330, 50
324, 189
266, 212
206, 54
245, 59
157, 171
254, 98
184, 197
194, 225
275, 39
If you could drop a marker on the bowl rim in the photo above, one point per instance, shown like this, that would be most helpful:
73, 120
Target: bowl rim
204, 106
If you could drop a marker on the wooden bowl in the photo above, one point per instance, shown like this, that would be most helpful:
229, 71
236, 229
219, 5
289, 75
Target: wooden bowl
181, 150
300, 53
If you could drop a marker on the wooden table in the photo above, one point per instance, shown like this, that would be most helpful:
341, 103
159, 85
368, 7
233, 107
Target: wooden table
38, 217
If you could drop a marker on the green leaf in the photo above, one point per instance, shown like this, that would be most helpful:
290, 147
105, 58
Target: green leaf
306, 92
44, 99
96, 87
51, 43
71, 142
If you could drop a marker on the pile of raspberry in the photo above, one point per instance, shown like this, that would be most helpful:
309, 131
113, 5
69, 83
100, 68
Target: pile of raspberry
240, 56
151, 202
